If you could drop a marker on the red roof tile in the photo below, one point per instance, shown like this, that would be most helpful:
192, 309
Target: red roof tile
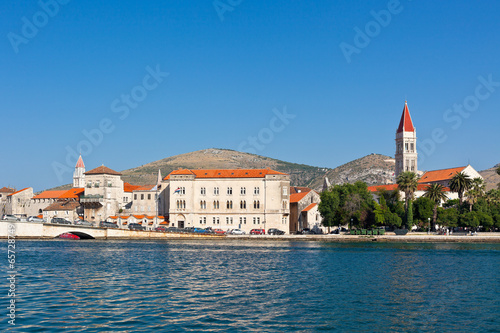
405, 124
308, 208
7, 190
144, 188
298, 189
79, 163
65, 205
440, 175
129, 188
226, 173
73, 193
102, 170
49, 195
296, 197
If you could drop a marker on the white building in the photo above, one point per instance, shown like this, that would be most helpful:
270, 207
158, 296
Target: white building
227, 199
406, 144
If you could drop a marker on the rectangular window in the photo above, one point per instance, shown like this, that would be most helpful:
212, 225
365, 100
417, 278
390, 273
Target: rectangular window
406, 146
229, 191
216, 191
244, 220
149, 196
285, 190
203, 191
142, 196
213, 220
412, 146
256, 190
243, 191
135, 196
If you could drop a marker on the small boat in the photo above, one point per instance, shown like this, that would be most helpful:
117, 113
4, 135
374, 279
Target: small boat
68, 235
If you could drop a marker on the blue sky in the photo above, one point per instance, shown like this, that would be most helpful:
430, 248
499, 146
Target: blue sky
340, 70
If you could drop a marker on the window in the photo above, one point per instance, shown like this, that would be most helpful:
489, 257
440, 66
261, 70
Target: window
229, 191
216, 191
204, 220
217, 220
243, 204
203, 204
227, 220
184, 204
216, 204
203, 191
89, 184
285, 190
406, 146
125, 199
230, 220
412, 146
256, 204
149, 196
213, 220
254, 220
229, 204
135, 196
109, 184
244, 220
96, 184
241, 220
256, 190
243, 190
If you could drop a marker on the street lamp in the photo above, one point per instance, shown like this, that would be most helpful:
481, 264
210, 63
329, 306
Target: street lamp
429, 226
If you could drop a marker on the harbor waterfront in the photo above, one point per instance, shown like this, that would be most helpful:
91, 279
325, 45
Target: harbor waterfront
253, 285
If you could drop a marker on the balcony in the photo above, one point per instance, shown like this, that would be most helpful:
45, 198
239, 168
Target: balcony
91, 199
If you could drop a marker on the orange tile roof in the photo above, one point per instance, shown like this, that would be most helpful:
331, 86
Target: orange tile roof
405, 124
18, 191
439, 175
49, 194
79, 163
296, 197
144, 188
129, 187
66, 205
164, 222
6, 190
308, 208
139, 216
72, 193
225, 173
102, 170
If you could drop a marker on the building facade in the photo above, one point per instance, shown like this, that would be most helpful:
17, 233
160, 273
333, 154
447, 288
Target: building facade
227, 199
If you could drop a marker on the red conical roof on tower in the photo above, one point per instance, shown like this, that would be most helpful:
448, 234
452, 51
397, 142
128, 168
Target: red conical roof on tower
79, 163
405, 124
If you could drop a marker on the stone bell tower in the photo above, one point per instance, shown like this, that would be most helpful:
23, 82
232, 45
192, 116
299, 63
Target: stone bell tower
406, 144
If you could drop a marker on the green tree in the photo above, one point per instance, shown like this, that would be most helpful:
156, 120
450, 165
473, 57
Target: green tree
422, 209
460, 183
469, 219
407, 182
435, 192
409, 215
476, 191
448, 217
328, 208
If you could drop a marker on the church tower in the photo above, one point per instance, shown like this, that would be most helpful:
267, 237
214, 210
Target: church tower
79, 174
406, 144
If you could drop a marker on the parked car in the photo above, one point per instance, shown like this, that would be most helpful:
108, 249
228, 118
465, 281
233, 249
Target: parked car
274, 231
161, 229
7, 217
60, 220
257, 232
84, 223
105, 224
136, 226
173, 229
219, 232
36, 219
237, 232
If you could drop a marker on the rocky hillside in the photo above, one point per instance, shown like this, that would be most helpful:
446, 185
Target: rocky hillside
300, 174
373, 169
491, 178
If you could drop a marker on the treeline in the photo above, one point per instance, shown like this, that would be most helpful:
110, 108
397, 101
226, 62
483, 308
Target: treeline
354, 205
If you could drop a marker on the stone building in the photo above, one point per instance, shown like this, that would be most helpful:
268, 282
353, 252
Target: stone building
406, 144
18, 201
4, 192
67, 209
444, 176
104, 194
300, 218
227, 199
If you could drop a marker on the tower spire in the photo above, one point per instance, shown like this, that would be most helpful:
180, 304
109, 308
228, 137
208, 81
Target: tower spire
406, 144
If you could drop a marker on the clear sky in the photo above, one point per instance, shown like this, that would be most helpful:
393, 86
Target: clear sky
314, 82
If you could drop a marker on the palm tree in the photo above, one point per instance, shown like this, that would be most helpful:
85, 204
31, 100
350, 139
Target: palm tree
460, 183
475, 192
407, 182
436, 193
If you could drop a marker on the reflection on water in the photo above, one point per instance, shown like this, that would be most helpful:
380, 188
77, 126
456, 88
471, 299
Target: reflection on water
93, 286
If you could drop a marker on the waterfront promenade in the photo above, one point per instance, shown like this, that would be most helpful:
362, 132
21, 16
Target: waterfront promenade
27, 230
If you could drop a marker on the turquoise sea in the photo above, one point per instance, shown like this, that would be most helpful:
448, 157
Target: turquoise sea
252, 286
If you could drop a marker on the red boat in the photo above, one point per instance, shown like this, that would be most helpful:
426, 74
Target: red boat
67, 235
